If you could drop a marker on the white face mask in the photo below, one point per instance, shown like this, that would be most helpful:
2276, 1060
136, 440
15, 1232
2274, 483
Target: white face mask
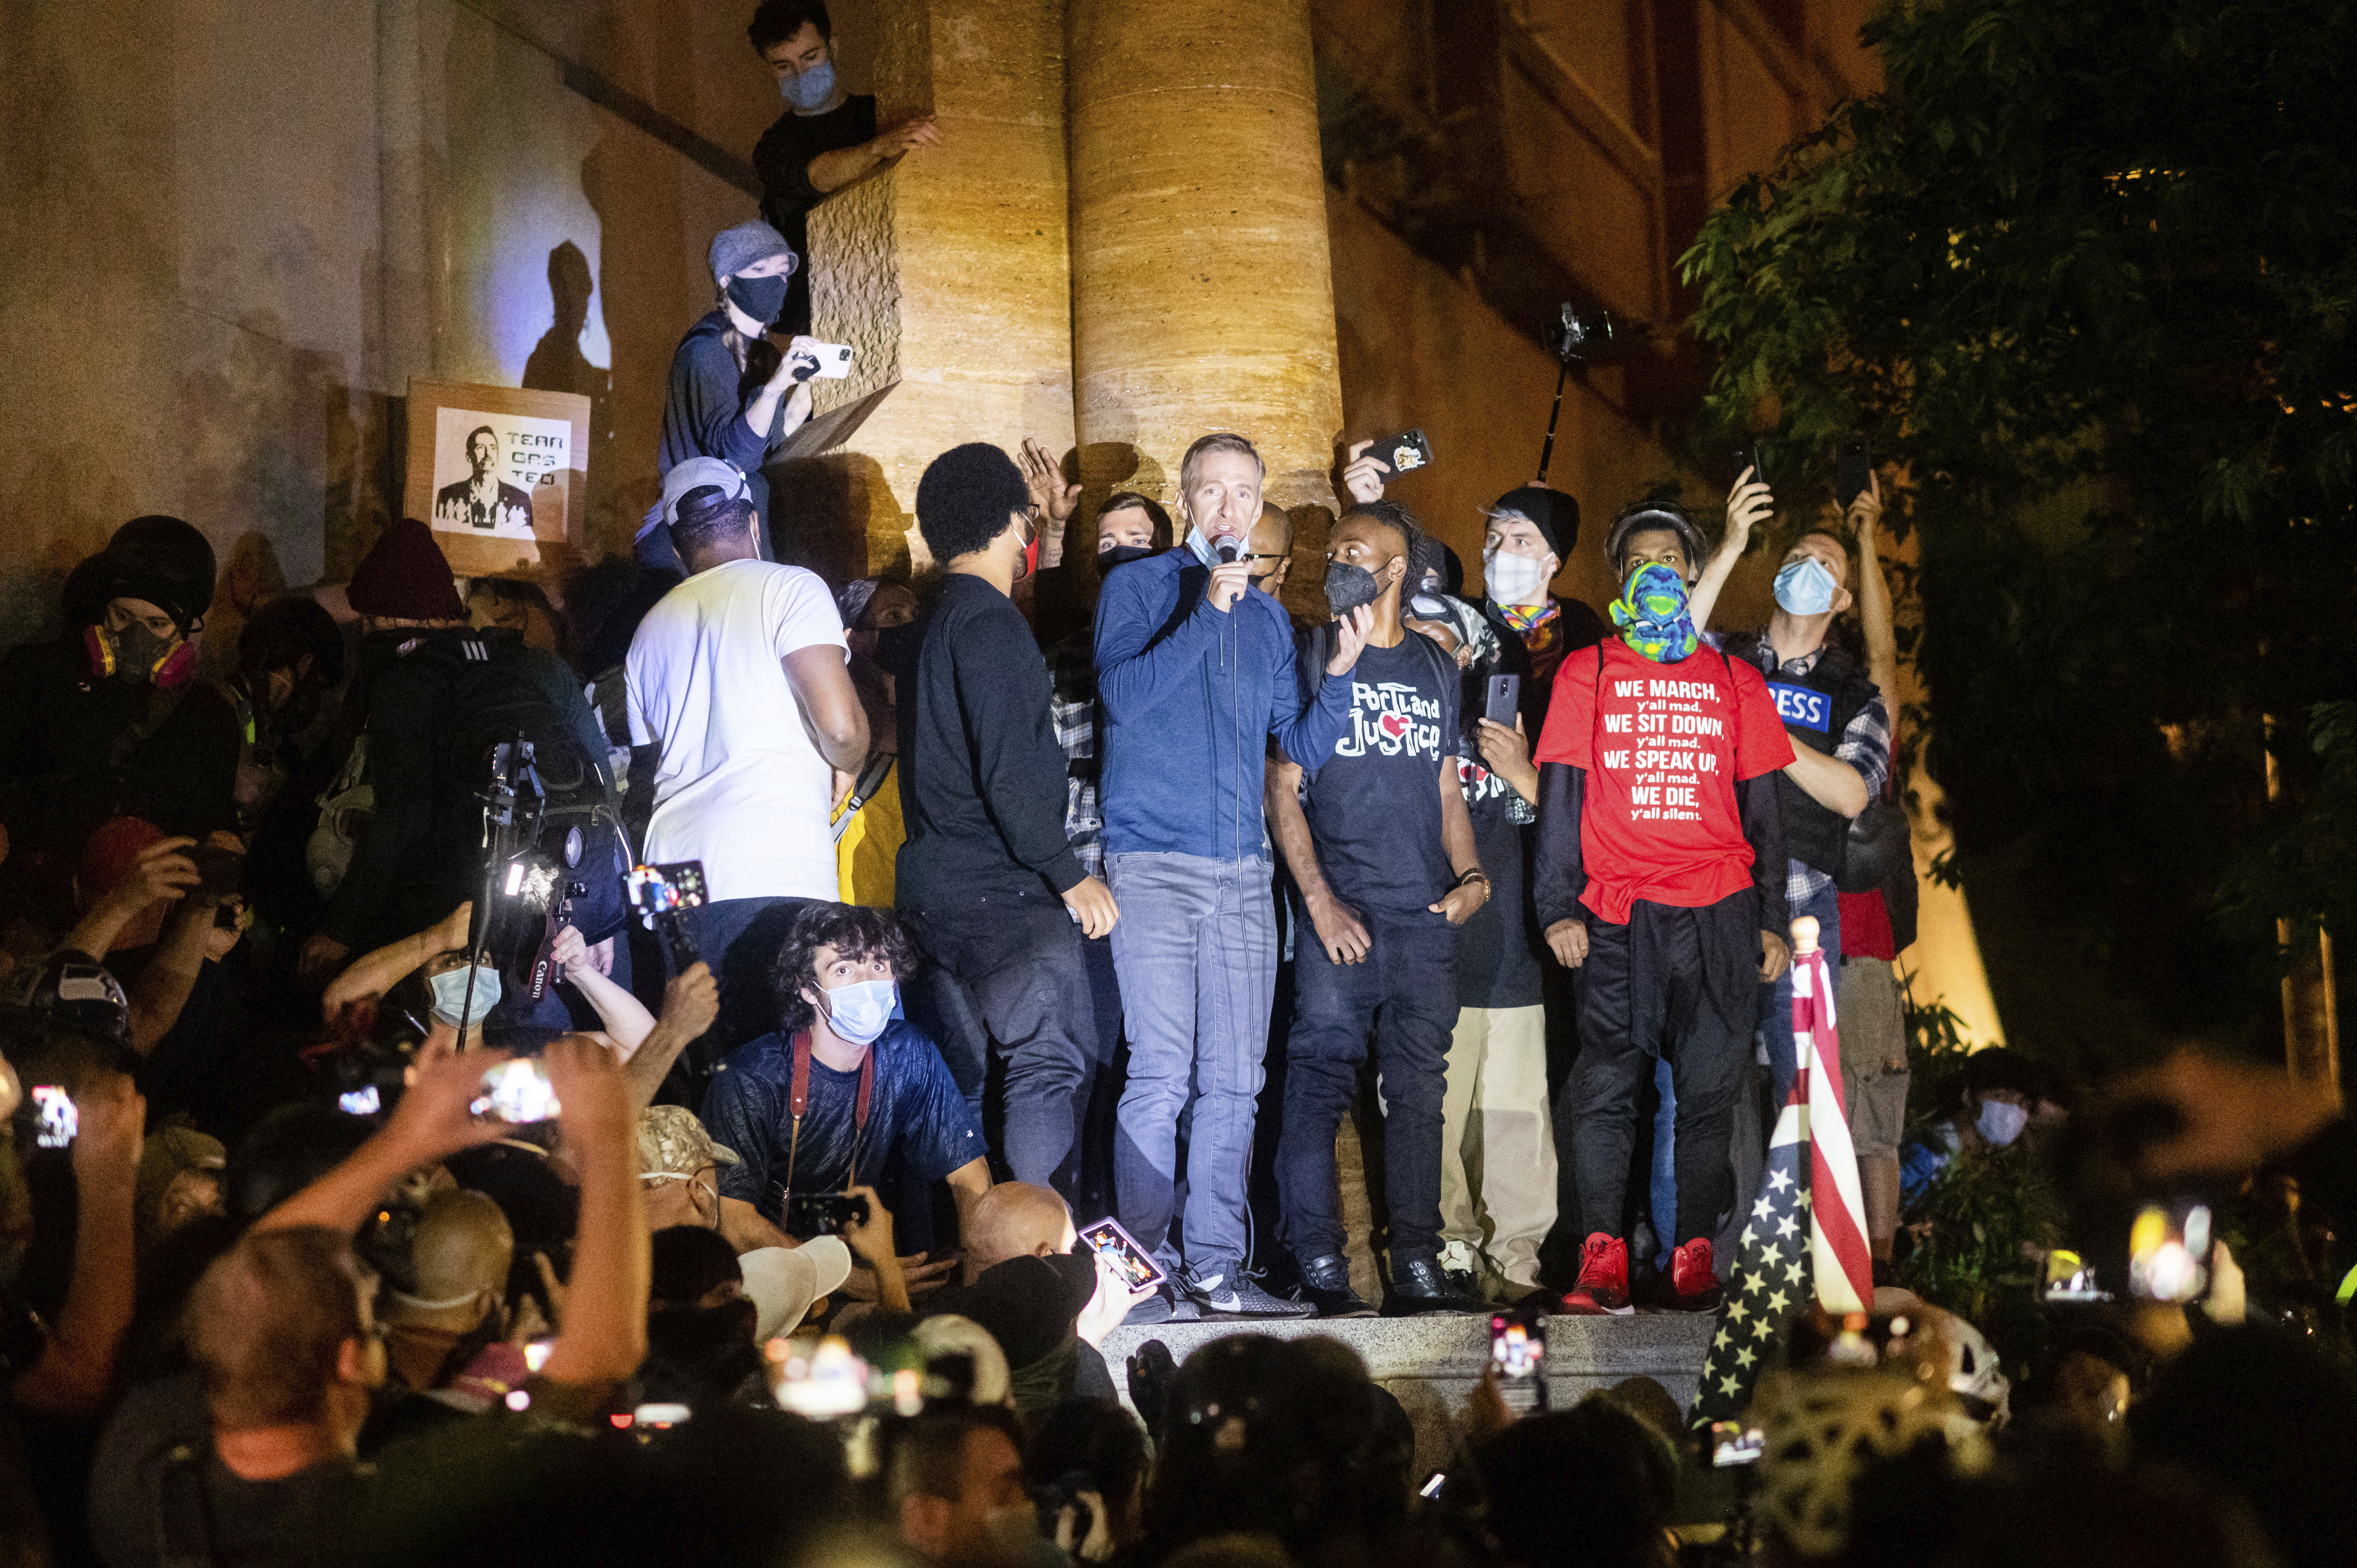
859, 1012
2001, 1123
1514, 579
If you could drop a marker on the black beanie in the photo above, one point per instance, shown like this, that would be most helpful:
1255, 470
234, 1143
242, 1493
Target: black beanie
1553, 513
965, 497
160, 559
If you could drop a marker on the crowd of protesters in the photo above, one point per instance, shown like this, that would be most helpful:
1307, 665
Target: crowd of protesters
394, 1174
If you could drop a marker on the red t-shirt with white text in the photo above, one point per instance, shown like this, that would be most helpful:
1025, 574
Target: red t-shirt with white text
1663, 745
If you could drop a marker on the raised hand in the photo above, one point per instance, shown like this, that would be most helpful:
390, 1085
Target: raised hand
106, 1148
1351, 633
1044, 476
691, 1000
1866, 511
1362, 473
1748, 503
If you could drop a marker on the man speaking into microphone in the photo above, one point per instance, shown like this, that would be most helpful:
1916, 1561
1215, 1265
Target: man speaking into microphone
1196, 674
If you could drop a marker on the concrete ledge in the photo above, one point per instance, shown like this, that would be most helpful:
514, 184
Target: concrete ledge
1430, 1364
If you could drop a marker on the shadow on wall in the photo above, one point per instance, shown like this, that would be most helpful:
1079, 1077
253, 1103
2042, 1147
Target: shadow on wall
836, 515
558, 364
652, 292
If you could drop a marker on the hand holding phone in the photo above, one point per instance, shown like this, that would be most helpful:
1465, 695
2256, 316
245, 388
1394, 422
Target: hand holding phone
660, 894
1408, 450
1518, 1349
1139, 1269
813, 1214
1731, 1443
1853, 471
1501, 699
219, 871
517, 1092
59, 1122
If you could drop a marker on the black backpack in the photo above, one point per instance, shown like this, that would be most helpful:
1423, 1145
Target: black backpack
488, 697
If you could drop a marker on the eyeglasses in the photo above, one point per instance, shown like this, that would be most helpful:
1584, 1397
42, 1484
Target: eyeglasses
1252, 558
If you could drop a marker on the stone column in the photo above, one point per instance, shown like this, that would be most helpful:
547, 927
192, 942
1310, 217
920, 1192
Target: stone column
1201, 296
949, 274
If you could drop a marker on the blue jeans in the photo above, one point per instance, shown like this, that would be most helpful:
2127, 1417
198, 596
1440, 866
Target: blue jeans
1783, 1059
1404, 993
1196, 954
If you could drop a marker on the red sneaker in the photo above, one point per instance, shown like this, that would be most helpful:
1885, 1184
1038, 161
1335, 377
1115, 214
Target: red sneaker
1603, 1285
1691, 1279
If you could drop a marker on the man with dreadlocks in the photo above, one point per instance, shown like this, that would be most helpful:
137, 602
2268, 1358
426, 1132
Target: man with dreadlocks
1660, 878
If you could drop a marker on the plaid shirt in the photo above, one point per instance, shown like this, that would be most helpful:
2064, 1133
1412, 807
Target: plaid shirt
1076, 732
1865, 745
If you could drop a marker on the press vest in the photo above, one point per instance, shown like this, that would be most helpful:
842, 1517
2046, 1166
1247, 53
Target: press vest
1816, 709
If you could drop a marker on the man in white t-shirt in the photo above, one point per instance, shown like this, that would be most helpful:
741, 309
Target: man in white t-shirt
737, 678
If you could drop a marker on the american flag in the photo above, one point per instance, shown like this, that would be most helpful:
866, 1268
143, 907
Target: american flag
1795, 1251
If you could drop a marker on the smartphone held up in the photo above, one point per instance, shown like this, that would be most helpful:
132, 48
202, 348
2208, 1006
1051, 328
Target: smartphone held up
517, 1092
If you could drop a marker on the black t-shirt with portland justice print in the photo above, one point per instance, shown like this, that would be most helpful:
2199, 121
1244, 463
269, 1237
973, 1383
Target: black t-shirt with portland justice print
1373, 804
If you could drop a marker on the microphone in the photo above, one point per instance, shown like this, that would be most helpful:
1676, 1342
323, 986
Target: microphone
1227, 548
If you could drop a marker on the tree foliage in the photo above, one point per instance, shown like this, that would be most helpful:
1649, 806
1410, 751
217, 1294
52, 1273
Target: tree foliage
2085, 273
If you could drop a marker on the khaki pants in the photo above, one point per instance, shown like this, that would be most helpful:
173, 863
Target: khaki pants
1497, 1155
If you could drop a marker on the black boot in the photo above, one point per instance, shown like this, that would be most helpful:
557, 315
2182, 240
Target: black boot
1326, 1285
1418, 1285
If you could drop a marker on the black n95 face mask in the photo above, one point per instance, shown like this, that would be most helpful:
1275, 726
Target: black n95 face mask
1348, 587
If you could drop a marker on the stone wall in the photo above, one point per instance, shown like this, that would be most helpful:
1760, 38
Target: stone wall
232, 233
948, 274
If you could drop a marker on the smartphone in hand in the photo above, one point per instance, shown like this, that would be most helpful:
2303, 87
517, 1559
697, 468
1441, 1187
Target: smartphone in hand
1853, 471
1401, 453
1502, 699
1106, 1239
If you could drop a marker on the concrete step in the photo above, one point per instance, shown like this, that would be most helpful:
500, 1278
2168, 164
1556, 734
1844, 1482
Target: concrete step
1430, 1364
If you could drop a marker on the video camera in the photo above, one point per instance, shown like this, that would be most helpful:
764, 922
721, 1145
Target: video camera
527, 883
660, 894
1573, 336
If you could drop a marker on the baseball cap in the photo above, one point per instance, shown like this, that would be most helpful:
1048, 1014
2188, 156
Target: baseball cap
672, 1143
68, 990
782, 1282
696, 473
947, 1334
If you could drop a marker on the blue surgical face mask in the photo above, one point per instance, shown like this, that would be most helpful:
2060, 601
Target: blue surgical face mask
449, 991
807, 92
858, 1014
1805, 587
2001, 1123
1206, 550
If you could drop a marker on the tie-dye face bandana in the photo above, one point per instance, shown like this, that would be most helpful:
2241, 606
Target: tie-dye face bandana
1652, 615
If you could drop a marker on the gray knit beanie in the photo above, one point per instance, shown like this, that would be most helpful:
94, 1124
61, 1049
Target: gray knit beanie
734, 250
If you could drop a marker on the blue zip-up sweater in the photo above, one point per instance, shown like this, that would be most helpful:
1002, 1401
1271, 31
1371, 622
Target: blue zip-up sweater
1188, 696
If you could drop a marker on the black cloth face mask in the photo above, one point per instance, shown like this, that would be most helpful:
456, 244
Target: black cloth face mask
760, 298
1121, 556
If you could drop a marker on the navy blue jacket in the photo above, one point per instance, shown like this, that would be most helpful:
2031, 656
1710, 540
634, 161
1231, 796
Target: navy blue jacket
1189, 696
